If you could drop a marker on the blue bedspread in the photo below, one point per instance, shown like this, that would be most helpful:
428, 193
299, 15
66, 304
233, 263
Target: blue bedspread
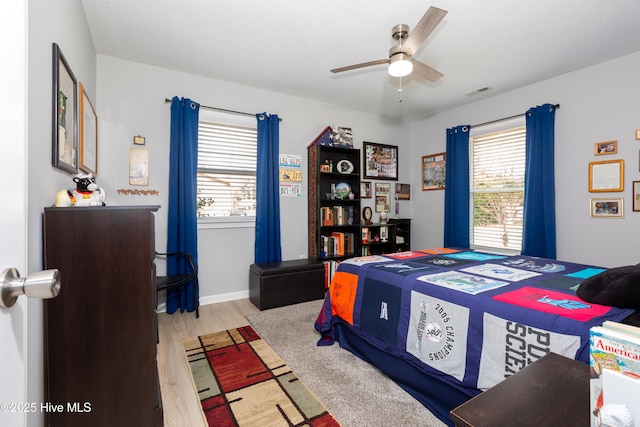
469, 318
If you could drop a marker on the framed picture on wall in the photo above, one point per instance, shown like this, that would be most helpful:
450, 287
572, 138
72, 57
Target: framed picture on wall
88, 134
383, 197
403, 191
434, 167
138, 166
607, 208
64, 135
607, 147
636, 196
365, 189
380, 161
606, 176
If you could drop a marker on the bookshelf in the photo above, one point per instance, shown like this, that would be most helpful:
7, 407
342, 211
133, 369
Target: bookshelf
334, 202
402, 234
378, 238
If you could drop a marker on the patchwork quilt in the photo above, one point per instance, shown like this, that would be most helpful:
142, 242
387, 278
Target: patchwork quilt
469, 318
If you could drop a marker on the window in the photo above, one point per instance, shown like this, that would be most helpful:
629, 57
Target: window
497, 162
226, 165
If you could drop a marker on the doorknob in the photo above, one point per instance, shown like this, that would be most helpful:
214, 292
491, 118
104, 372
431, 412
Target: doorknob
42, 284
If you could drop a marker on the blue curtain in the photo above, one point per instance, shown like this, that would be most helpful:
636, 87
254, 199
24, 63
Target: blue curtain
456, 196
182, 215
539, 231
267, 240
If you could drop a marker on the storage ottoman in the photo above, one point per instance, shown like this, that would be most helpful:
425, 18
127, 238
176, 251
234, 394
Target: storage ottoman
287, 282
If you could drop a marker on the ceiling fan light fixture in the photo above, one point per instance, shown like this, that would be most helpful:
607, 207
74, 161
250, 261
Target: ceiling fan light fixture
400, 65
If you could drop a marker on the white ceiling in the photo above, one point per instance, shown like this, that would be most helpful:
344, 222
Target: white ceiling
289, 46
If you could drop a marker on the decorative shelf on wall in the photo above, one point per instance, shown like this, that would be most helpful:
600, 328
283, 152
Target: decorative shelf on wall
137, 192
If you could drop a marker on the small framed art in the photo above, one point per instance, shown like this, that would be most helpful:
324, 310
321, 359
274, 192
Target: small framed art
383, 197
607, 208
606, 176
636, 196
434, 169
380, 161
403, 191
138, 166
607, 147
365, 189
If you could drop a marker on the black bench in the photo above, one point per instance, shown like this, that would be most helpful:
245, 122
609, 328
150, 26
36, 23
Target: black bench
287, 282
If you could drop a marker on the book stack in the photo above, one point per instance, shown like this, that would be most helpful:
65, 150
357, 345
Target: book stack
338, 244
615, 372
337, 215
330, 268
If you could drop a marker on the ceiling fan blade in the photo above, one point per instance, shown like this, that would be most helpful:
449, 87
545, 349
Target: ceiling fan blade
362, 65
427, 24
424, 71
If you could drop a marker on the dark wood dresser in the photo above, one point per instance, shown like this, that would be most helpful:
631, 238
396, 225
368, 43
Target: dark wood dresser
101, 330
553, 391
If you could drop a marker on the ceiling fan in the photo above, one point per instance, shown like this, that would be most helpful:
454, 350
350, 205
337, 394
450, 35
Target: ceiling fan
401, 61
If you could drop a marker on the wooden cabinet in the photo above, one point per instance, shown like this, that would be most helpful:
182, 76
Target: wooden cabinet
378, 239
334, 202
394, 236
101, 330
402, 238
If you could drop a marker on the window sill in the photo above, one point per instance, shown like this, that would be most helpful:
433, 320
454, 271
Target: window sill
496, 251
226, 222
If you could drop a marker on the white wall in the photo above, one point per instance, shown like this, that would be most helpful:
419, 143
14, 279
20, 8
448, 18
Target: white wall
63, 22
598, 103
130, 101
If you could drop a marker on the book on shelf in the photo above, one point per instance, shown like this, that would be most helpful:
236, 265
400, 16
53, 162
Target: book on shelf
614, 347
337, 244
327, 216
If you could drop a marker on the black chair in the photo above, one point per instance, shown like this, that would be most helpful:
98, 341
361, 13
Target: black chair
168, 282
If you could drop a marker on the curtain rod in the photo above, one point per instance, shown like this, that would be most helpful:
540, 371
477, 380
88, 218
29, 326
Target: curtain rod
506, 118
167, 100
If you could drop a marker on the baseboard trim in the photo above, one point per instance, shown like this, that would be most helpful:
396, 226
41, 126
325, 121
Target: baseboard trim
213, 299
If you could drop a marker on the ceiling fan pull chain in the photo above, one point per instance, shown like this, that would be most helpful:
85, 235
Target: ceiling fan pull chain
399, 89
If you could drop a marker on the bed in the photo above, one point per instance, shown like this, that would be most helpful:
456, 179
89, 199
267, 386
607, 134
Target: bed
448, 323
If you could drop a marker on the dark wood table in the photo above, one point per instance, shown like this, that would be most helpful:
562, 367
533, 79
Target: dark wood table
553, 391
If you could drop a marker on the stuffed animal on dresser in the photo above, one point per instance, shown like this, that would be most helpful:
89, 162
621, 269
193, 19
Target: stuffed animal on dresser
87, 192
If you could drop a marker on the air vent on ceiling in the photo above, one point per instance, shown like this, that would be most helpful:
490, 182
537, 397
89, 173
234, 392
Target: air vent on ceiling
477, 91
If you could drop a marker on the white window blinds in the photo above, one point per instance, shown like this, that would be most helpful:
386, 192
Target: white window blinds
497, 189
226, 169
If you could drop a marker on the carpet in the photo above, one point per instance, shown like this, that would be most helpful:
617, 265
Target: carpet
356, 393
242, 382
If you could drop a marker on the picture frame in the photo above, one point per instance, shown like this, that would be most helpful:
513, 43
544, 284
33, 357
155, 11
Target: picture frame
380, 161
434, 168
383, 197
139, 140
606, 176
138, 166
607, 208
636, 196
64, 133
403, 191
88, 144
365, 189
605, 147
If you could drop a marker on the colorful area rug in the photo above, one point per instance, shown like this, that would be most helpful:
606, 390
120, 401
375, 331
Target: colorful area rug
242, 382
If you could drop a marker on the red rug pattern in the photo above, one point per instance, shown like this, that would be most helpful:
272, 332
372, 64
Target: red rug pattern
242, 382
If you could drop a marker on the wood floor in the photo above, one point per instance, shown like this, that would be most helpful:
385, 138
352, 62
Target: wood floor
181, 405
